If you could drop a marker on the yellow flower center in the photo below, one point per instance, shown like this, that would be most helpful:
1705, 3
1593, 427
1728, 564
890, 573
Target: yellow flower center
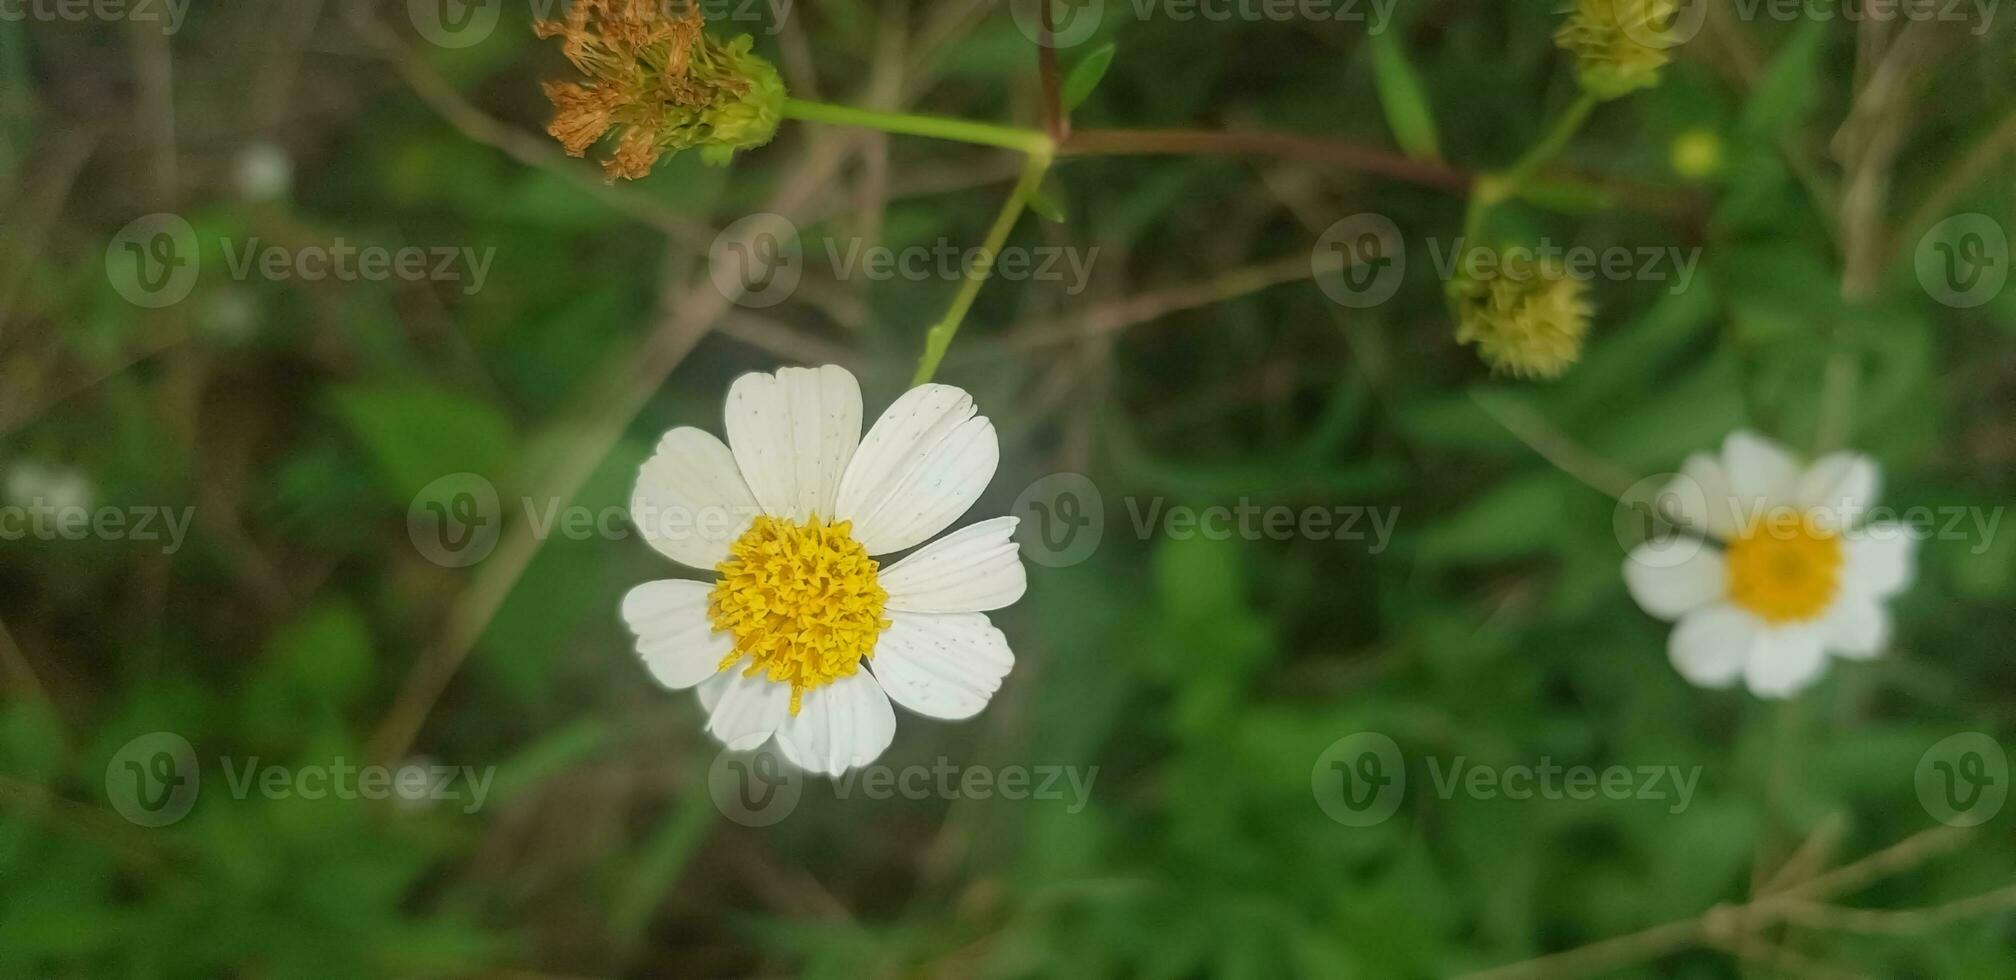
802, 601
1784, 568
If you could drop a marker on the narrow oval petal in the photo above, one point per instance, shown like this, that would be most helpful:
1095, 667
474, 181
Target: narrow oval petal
1700, 498
843, 725
941, 666
750, 710
1881, 560
1857, 628
1788, 659
711, 689
1674, 576
921, 466
1761, 473
792, 434
1711, 646
690, 502
1838, 489
974, 569
674, 635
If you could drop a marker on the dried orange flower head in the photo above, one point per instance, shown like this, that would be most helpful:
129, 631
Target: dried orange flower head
659, 82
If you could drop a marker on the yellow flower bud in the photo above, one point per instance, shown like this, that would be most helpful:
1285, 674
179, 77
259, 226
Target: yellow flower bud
1697, 154
1616, 44
1527, 320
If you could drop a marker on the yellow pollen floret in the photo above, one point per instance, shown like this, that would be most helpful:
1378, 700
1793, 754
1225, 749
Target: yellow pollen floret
1785, 568
802, 602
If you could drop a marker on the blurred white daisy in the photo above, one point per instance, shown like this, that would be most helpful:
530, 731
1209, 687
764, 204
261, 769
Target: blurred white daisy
1792, 572
44, 489
792, 514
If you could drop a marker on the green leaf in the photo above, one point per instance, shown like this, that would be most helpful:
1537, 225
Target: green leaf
417, 435
1048, 202
1086, 75
1404, 98
1791, 86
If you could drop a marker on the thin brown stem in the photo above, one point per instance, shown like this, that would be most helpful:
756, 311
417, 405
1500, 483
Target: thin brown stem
1290, 146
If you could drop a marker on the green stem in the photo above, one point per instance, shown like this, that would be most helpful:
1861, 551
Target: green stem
939, 339
909, 124
1550, 145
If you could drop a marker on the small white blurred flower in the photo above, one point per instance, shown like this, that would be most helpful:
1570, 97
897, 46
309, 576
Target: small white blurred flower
263, 172
805, 636
39, 487
1791, 573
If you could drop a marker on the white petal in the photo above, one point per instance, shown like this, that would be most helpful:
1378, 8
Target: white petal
1838, 489
793, 433
1857, 628
973, 569
1880, 560
1761, 473
1700, 498
841, 726
1676, 575
674, 635
941, 666
711, 689
1787, 660
921, 466
750, 709
690, 502
1711, 645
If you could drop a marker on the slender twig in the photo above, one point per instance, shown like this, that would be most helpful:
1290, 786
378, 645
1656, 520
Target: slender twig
1289, 146
1556, 447
1733, 928
1056, 121
1120, 314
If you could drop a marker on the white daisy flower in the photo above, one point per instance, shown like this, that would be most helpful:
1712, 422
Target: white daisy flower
1791, 573
792, 514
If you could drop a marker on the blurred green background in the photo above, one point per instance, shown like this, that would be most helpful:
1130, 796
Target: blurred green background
300, 422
